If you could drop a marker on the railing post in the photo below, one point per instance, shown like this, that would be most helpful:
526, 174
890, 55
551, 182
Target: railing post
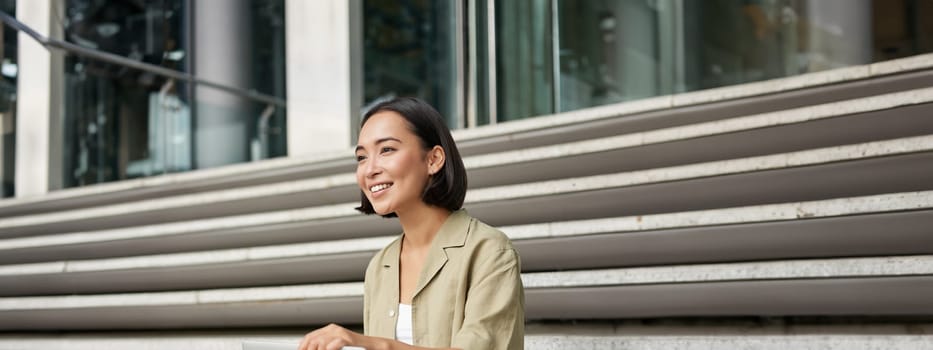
260, 145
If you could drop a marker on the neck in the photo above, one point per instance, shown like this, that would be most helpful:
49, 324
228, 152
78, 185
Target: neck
421, 224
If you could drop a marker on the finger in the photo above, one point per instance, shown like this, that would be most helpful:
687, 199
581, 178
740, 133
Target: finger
307, 341
316, 344
336, 344
320, 338
304, 342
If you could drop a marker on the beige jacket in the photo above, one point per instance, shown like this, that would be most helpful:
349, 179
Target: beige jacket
469, 294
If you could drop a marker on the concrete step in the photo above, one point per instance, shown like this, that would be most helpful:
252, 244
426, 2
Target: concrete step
900, 114
776, 342
570, 339
557, 338
575, 159
845, 286
592, 123
890, 224
900, 165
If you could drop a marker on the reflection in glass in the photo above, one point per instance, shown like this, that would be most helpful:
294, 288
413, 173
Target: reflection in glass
113, 113
555, 56
8, 74
742, 43
560, 55
524, 59
124, 123
479, 63
409, 49
610, 52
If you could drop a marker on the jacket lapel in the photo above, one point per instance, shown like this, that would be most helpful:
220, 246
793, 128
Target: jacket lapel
388, 295
453, 233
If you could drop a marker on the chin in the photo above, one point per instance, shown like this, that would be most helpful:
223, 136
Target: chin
386, 214
383, 211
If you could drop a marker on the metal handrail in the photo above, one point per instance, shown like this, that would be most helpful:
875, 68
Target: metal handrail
50, 43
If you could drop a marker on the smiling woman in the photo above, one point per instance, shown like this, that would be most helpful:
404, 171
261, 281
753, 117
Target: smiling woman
449, 280
412, 127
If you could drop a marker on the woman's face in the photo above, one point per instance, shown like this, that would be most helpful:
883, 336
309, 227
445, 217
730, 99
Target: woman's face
392, 166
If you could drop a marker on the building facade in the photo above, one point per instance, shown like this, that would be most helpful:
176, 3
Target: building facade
673, 173
479, 62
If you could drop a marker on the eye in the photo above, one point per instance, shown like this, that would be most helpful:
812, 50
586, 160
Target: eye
387, 149
360, 158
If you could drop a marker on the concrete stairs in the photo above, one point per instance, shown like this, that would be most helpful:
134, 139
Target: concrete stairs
806, 200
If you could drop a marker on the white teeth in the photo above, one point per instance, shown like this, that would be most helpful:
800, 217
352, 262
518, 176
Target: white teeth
378, 188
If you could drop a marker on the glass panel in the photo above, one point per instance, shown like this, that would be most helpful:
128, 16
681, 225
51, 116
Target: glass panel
111, 111
901, 28
268, 71
151, 31
481, 31
238, 44
739, 41
8, 74
756, 40
409, 49
524, 64
124, 123
610, 51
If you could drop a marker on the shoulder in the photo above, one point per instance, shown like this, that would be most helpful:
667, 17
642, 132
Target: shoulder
490, 246
464, 231
487, 236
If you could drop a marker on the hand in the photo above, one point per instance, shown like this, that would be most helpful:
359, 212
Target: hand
331, 337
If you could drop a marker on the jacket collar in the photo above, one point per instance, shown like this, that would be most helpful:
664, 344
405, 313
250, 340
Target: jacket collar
453, 233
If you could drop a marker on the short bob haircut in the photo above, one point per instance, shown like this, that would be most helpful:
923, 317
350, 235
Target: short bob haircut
446, 188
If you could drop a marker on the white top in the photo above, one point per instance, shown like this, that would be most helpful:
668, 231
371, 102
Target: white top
403, 325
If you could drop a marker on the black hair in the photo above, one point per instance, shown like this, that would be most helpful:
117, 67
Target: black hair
446, 188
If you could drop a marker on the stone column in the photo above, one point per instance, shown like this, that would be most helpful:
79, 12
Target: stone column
39, 104
324, 70
222, 44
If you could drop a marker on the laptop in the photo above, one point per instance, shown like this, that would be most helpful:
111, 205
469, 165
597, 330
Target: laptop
268, 345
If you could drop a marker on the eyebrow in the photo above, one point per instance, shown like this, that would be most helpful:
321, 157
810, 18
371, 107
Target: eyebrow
384, 139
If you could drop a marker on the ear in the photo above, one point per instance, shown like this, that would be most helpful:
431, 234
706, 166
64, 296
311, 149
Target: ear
436, 158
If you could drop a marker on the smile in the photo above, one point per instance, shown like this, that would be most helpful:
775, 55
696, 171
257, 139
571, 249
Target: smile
379, 187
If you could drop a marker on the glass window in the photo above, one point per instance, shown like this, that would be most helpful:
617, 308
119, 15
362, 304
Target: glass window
124, 123
559, 55
758, 40
738, 41
900, 28
524, 59
554, 56
8, 73
611, 51
410, 49
108, 134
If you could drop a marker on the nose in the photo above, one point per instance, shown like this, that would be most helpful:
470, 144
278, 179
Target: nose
371, 168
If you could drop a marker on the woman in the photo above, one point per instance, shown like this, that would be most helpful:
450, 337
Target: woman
449, 281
